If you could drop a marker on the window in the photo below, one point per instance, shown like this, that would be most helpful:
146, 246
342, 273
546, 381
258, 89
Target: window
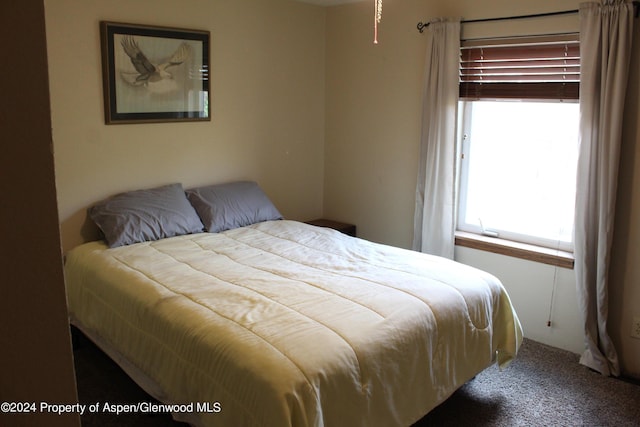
518, 122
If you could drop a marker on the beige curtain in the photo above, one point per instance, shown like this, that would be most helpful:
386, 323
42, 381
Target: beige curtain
434, 219
605, 46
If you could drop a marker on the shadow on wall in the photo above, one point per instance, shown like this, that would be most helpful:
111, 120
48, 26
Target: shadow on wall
69, 230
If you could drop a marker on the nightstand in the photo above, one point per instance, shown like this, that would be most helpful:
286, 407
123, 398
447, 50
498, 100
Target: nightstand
342, 227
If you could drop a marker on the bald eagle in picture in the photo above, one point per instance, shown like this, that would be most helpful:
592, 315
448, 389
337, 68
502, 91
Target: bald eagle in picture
156, 77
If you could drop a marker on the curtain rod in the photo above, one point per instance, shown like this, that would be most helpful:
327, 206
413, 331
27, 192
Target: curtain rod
422, 25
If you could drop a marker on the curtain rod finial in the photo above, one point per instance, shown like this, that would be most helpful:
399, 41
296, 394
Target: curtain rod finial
422, 25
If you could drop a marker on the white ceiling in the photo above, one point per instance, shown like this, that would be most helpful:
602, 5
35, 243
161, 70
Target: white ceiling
329, 2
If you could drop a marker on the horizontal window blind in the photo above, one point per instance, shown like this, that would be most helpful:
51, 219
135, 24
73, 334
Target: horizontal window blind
526, 68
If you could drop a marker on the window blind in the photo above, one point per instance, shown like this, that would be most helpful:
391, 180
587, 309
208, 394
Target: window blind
526, 68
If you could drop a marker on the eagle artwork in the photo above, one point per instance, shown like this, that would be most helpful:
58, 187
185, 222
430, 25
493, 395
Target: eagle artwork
155, 77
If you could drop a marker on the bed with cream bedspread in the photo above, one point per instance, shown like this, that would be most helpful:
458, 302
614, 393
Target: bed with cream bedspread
287, 324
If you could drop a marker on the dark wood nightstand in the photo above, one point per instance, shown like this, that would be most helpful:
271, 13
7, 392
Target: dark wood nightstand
342, 227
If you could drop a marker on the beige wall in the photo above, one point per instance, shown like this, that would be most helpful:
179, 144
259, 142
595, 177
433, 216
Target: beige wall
267, 76
625, 268
36, 357
373, 104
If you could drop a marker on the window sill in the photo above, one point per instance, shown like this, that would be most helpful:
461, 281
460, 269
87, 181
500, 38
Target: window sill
515, 249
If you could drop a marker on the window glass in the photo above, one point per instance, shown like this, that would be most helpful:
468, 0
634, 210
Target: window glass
518, 170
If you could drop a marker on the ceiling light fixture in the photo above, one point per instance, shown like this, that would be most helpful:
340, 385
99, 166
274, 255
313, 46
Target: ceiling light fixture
376, 19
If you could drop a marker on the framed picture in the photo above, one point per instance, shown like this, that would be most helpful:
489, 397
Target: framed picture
154, 74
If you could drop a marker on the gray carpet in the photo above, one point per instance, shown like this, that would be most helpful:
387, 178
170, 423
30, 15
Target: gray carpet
543, 387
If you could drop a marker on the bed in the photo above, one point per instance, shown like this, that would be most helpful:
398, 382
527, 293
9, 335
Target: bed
272, 322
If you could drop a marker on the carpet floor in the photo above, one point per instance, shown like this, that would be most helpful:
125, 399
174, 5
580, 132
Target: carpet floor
544, 386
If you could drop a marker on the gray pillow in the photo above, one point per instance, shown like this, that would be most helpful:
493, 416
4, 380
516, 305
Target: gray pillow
236, 204
145, 215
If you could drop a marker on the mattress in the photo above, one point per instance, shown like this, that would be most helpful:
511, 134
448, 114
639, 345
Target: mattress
282, 323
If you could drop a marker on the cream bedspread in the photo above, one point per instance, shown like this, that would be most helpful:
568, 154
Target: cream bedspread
287, 324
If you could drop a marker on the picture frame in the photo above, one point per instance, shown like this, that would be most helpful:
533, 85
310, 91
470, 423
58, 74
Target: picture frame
154, 74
